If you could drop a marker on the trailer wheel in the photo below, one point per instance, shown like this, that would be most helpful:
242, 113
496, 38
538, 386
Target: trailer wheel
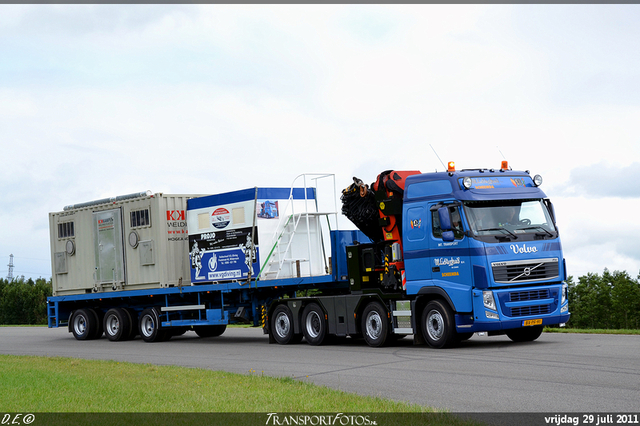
99, 316
133, 322
117, 325
314, 325
438, 328
84, 324
149, 326
525, 334
210, 330
282, 325
375, 326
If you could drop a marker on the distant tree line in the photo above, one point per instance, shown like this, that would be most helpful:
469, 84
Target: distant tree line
24, 301
607, 301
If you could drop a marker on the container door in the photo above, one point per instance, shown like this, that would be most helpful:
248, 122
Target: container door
109, 248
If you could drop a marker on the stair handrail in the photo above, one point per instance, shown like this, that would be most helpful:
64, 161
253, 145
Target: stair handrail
282, 224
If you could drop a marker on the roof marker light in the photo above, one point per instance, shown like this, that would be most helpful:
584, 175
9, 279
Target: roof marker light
451, 166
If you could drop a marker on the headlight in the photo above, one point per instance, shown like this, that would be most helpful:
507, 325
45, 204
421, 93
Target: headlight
466, 182
565, 293
488, 300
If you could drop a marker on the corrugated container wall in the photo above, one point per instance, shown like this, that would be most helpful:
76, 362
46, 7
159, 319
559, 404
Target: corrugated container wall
134, 243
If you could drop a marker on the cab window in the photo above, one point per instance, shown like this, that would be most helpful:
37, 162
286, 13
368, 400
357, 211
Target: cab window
456, 223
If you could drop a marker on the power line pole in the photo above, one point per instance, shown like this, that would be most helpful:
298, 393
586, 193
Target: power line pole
10, 265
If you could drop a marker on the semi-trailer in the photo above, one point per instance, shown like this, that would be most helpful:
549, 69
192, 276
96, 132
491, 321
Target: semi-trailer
438, 256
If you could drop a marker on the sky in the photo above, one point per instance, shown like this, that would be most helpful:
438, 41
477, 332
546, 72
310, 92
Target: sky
104, 100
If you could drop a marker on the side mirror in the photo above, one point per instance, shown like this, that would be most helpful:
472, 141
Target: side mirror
445, 219
447, 236
445, 224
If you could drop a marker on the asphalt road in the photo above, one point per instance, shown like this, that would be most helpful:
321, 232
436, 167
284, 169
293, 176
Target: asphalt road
558, 373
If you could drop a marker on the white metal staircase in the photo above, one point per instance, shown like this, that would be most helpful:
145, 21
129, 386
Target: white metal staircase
292, 248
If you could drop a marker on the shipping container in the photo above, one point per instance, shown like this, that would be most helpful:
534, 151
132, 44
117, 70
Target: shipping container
136, 241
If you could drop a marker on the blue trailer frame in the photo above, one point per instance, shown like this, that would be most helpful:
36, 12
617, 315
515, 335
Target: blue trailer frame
196, 305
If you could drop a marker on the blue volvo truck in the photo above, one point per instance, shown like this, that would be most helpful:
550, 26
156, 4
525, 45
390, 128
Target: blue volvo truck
438, 256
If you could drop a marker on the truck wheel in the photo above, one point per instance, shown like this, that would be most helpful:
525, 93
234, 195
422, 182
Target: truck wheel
438, 328
375, 326
117, 326
149, 326
210, 330
314, 325
282, 325
525, 334
84, 324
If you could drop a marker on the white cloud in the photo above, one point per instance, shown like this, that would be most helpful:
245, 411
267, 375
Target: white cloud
101, 100
599, 233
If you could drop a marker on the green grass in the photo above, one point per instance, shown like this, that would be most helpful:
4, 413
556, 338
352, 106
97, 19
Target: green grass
83, 392
41, 384
589, 331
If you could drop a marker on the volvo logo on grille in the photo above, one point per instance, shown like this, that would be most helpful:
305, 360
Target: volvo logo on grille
527, 271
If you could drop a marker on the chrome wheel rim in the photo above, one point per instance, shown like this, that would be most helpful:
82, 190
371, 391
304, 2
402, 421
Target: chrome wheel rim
80, 325
147, 325
313, 324
112, 325
435, 325
283, 325
374, 325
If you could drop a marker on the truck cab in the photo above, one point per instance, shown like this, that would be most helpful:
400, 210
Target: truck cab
485, 245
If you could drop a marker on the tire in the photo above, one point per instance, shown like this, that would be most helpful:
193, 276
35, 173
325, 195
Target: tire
117, 325
99, 316
525, 334
84, 324
438, 327
375, 324
149, 326
210, 330
133, 321
314, 325
282, 325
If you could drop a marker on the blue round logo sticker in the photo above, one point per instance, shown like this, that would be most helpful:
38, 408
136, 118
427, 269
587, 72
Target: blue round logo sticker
220, 218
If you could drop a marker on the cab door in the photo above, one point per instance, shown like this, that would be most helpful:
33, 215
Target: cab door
416, 241
449, 260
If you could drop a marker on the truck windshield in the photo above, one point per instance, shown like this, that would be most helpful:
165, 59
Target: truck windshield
510, 219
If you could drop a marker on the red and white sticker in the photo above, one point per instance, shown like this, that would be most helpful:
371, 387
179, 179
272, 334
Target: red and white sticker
220, 218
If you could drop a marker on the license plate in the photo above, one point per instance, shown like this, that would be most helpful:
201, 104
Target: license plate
532, 322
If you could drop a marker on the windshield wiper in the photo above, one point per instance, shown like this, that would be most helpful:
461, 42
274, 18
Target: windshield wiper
499, 229
538, 227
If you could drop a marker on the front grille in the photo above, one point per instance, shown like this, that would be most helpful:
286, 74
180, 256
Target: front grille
524, 303
530, 310
521, 296
527, 271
